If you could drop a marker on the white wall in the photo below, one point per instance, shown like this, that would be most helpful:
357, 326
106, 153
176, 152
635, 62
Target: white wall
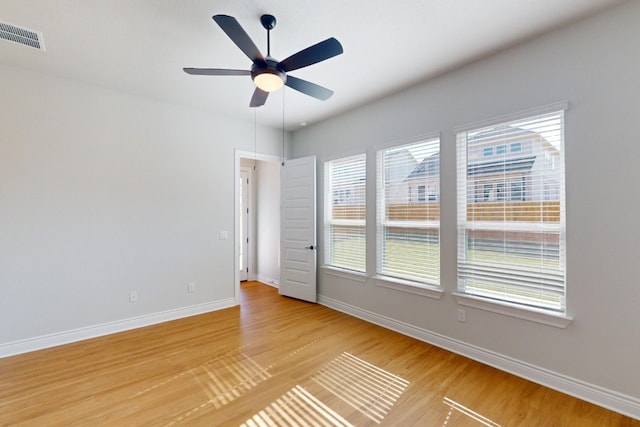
102, 193
268, 221
594, 65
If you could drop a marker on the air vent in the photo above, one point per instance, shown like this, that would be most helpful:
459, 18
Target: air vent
22, 36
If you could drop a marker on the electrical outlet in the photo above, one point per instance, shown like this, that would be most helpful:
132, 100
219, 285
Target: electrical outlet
462, 315
191, 287
133, 296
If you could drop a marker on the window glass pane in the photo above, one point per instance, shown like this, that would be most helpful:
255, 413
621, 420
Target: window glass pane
516, 191
422, 193
345, 211
408, 228
511, 224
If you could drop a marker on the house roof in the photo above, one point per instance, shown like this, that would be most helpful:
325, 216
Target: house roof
507, 134
429, 166
505, 165
502, 132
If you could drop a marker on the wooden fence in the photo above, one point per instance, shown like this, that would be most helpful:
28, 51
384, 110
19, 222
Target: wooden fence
546, 211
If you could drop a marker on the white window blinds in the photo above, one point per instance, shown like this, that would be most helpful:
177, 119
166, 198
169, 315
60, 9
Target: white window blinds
345, 210
408, 217
511, 213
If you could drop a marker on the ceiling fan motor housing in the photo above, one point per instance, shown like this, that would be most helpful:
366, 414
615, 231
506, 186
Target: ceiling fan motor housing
270, 66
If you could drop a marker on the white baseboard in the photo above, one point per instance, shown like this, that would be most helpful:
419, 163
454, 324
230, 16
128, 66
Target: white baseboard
268, 281
600, 396
66, 337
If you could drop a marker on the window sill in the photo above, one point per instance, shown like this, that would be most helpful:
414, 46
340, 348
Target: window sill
409, 287
530, 313
345, 274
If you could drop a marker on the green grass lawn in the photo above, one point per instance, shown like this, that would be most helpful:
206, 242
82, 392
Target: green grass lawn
350, 254
404, 258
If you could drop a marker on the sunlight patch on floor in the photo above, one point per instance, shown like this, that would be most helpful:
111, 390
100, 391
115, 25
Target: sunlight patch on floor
370, 390
222, 380
471, 417
297, 407
230, 377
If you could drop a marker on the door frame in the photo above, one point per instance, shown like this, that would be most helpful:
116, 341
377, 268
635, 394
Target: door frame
246, 222
243, 154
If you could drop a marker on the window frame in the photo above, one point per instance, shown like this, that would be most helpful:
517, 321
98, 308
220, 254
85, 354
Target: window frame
329, 220
430, 289
554, 317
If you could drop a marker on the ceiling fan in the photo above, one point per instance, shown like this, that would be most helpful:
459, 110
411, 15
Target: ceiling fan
267, 73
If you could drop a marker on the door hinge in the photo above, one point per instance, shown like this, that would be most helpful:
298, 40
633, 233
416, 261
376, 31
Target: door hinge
247, 269
247, 240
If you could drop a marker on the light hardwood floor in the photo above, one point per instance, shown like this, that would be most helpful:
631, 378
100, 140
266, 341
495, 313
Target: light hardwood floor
273, 361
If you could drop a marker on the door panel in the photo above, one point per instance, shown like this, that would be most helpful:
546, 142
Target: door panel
298, 229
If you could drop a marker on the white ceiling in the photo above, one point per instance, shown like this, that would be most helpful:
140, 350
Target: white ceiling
141, 46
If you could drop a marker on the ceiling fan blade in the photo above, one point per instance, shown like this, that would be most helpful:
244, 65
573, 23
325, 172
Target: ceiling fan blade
216, 72
311, 55
237, 35
259, 98
308, 88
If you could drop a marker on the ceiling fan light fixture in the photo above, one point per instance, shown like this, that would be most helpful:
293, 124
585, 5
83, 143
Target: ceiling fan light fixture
269, 80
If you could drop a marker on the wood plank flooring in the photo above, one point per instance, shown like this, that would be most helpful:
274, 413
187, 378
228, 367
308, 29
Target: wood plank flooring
274, 361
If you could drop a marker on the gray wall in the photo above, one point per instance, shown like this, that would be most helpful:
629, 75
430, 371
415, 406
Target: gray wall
102, 193
594, 65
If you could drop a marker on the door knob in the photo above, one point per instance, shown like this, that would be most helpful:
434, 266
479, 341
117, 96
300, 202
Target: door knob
310, 247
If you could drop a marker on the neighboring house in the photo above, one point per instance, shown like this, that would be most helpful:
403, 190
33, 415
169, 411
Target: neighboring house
423, 183
512, 164
505, 164
349, 193
398, 165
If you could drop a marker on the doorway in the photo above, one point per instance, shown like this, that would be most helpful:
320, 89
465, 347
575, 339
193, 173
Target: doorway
257, 219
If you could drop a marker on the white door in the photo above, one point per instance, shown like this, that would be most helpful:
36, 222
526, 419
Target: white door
298, 229
243, 240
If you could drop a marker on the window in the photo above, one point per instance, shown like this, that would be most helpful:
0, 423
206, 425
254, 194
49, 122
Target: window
422, 193
488, 191
341, 197
500, 191
487, 151
516, 191
501, 149
511, 247
433, 191
345, 181
409, 233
